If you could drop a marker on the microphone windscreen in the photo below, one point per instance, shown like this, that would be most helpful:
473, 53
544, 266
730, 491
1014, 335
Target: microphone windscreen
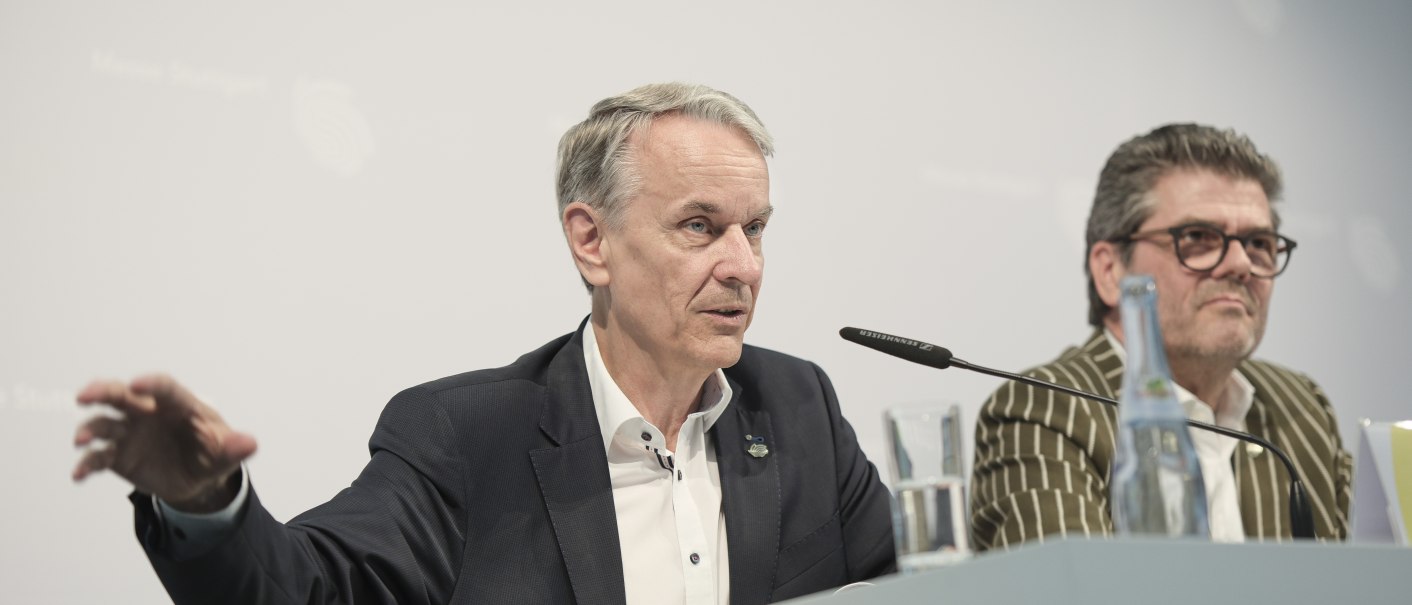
914, 351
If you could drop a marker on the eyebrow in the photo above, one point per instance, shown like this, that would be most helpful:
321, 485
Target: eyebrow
710, 208
1195, 222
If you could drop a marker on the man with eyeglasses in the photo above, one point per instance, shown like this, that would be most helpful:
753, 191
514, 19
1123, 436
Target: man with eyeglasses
1189, 205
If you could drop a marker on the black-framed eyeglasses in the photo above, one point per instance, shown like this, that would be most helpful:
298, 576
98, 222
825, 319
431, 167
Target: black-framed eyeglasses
1202, 247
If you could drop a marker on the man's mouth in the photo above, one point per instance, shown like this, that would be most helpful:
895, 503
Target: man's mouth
727, 312
1229, 299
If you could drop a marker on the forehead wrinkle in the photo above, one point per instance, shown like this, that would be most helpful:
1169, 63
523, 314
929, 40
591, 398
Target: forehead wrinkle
1218, 214
696, 154
712, 208
697, 169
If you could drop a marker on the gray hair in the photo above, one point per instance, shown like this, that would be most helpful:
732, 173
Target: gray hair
1123, 201
596, 166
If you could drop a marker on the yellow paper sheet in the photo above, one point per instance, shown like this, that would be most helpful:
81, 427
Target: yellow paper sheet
1402, 471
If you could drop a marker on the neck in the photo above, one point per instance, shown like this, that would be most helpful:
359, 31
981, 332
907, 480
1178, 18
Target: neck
663, 392
1204, 376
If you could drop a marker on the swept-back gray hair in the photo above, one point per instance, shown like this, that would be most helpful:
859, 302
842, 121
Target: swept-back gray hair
1122, 202
596, 165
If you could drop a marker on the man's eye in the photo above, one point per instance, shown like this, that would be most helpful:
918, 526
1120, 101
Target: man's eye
1264, 243
697, 226
1200, 236
755, 229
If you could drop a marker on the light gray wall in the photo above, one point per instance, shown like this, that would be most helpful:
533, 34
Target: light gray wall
301, 208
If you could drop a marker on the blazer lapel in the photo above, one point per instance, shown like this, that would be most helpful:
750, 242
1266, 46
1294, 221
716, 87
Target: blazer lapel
1107, 362
1264, 511
750, 499
573, 478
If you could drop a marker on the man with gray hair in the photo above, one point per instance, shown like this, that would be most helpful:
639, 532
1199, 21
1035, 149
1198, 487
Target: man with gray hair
647, 457
1189, 205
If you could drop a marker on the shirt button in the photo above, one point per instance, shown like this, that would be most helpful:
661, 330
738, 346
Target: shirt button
646, 436
695, 558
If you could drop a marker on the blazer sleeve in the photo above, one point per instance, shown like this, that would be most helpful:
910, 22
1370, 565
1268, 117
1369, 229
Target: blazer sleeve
864, 504
1041, 467
1295, 414
394, 536
1342, 464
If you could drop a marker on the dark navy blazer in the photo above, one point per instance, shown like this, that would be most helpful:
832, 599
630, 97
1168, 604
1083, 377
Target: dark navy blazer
492, 487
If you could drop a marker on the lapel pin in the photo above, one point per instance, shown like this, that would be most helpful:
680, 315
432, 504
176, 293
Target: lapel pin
757, 447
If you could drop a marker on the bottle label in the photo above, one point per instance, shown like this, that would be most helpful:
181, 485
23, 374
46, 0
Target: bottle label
1156, 388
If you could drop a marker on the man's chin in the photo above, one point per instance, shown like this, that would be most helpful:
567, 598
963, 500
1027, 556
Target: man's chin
723, 352
1233, 346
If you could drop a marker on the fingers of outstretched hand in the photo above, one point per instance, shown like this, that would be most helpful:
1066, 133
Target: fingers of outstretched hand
225, 444
100, 427
94, 460
164, 388
116, 394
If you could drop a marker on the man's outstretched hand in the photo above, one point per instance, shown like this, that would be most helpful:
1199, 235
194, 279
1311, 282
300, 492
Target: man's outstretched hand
166, 442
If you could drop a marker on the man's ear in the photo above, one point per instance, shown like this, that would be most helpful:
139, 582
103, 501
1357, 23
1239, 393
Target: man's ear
1105, 264
584, 230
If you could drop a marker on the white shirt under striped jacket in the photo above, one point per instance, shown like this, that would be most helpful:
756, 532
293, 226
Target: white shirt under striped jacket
1043, 459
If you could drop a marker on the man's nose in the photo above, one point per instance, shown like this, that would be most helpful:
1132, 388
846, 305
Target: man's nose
1236, 264
739, 258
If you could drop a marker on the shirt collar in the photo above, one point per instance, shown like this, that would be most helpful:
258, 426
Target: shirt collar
615, 410
1240, 394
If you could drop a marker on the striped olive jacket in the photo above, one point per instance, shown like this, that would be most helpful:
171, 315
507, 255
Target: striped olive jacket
1043, 458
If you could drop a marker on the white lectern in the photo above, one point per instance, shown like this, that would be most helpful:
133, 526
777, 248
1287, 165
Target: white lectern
1098, 572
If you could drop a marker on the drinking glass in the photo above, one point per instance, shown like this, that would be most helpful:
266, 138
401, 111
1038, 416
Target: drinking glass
929, 517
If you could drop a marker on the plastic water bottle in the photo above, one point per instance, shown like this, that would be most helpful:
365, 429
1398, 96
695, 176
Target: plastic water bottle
1157, 486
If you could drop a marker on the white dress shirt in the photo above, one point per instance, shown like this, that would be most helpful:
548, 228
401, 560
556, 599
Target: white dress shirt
1213, 451
671, 529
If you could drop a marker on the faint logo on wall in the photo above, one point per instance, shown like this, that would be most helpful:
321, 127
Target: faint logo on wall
331, 127
179, 74
20, 397
326, 120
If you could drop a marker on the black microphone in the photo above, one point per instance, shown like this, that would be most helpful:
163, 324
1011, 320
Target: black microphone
916, 351
1300, 514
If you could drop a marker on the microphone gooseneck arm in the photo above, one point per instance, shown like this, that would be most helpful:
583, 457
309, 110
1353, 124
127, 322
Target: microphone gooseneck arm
1300, 514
